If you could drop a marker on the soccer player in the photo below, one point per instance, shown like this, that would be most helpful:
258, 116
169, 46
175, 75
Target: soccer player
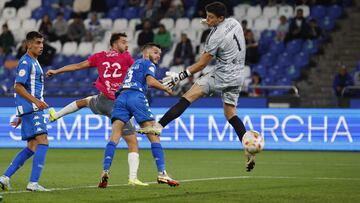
112, 67
29, 87
131, 101
226, 44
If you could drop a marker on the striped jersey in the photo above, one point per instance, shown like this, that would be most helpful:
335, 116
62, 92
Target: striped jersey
30, 74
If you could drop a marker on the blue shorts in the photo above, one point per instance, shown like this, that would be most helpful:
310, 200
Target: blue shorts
131, 103
33, 124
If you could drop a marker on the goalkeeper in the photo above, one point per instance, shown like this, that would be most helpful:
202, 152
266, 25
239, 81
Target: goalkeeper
226, 44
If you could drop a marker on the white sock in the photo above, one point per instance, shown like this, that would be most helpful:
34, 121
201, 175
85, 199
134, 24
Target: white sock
70, 108
133, 160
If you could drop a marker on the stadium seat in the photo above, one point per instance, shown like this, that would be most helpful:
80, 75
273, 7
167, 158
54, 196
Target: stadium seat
182, 24
69, 48
310, 46
19, 35
14, 24
107, 37
133, 22
294, 46
120, 24
57, 45
131, 12
23, 13
106, 23
38, 13
114, 13
284, 59
111, 3
253, 12
305, 8
87, 23
268, 59
168, 23
292, 72
267, 81
318, 12
301, 60
260, 68
121, 3
67, 13
33, 4
277, 47
81, 74
240, 11
327, 23
261, 24
85, 48
8, 13
269, 12
197, 25
28, 24
167, 59
274, 23
100, 46
286, 10
2, 3
334, 11
275, 72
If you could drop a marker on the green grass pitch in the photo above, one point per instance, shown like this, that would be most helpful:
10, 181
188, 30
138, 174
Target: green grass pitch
205, 175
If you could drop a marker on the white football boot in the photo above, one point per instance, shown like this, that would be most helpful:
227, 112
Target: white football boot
33, 186
155, 129
5, 183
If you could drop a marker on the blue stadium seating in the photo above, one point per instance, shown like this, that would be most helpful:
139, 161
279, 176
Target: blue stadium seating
293, 46
334, 11
318, 12
131, 12
327, 23
114, 13
284, 59
38, 13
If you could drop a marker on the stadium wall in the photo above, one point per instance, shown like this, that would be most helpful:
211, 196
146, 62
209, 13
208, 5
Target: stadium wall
206, 128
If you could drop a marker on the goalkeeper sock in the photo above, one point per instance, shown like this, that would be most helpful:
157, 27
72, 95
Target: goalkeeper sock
109, 154
239, 127
158, 155
133, 160
38, 162
68, 109
175, 111
19, 160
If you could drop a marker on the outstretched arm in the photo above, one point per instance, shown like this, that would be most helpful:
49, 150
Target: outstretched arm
173, 78
69, 68
152, 82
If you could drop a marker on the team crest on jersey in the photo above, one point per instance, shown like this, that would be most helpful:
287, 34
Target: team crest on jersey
152, 69
22, 73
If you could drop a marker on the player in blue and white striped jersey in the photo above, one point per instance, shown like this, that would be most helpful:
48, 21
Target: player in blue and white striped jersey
29, 88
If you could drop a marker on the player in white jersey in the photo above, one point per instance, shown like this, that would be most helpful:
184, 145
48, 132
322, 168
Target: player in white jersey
226, 44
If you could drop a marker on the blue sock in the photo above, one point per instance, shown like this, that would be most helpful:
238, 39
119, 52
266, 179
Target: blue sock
109, 154
38, 162
158, 155
19, 160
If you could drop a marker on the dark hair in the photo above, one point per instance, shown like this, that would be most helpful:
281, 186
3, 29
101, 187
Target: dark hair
116, 36
33, 35
217, 8
150, 44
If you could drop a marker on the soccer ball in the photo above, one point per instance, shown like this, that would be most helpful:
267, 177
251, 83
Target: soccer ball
253, 142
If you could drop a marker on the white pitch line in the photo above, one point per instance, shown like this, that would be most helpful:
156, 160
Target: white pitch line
198, 180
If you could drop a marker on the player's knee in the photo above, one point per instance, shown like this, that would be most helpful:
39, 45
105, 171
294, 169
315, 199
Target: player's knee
42, 139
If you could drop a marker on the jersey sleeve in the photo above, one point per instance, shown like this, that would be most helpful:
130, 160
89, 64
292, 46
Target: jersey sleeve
212, 44
93, 59
150, 69
23, 72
